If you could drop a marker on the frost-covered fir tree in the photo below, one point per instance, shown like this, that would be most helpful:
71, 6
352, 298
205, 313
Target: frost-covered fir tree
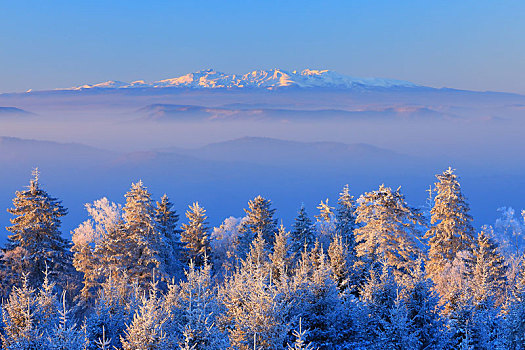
379, 294
451, 230
259, 222
345, 226
65, 335
195, 235
100, 245
282, 258
325, 222
167, 219
423, 310
345, 217
300, 336
397, 330
113, 311
147, 330
193, 311
254, 308
487, 269
303, 232
140, 223
35, 230
20, 315
316, 300
389, 230
225, 245
338, 254
514, 323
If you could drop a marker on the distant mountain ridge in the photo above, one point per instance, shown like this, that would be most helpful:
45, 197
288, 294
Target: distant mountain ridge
13, 111
259, 79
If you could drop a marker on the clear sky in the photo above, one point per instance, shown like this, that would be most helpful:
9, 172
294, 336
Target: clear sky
478, 45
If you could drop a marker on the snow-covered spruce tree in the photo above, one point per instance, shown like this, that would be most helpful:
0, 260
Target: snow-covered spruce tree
451, 230
93, 242
514, 323
475, 311
147, 330
397, 330
300, 336
345, 217
113, 310
338, 254
36, 229
259, 221
65, 335
388, 232
224, 243
140, 223
487, 271
195, 235
423, 310
19, 315
167, 219
303, 232
316, 299
254, 309
325, 223
195, 310
379, 294
282, 258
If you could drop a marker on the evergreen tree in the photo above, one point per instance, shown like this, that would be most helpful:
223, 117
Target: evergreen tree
197, 303
147, 330
300, 336
514, 325
344, 227
423, 310
487, 272
167, 219
255, 311
397, 331
281, 257
345, 217
99, 247
338, 253
113, 310
451, 230
259, 222
303, 232
316, 299
36, 229
147, 244
65, 335
379, 294
20, 314
195, 235
325, 222
389, 230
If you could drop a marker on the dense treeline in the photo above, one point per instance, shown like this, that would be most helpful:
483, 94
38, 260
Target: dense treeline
368, 273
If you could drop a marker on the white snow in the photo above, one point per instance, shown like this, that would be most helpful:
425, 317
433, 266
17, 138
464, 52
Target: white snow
266, 79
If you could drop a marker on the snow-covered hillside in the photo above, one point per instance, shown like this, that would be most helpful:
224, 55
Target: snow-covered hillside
264, 79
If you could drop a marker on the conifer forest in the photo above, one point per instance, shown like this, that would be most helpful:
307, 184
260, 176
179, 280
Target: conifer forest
367, 272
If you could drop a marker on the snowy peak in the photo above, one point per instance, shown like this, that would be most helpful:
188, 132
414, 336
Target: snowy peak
258, 79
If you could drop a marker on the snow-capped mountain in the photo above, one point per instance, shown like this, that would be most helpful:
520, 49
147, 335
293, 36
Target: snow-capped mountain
265, 79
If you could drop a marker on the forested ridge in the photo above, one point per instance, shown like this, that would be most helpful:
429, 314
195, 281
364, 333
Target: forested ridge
368, 272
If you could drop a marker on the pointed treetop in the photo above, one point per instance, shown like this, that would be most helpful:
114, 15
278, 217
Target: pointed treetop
325, 211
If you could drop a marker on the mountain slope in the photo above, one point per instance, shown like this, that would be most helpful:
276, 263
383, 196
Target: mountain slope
14, 112
261, 79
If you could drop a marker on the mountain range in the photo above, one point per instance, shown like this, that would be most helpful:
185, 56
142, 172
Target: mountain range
260, 79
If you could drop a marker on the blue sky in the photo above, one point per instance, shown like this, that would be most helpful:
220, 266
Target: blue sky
474, 45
